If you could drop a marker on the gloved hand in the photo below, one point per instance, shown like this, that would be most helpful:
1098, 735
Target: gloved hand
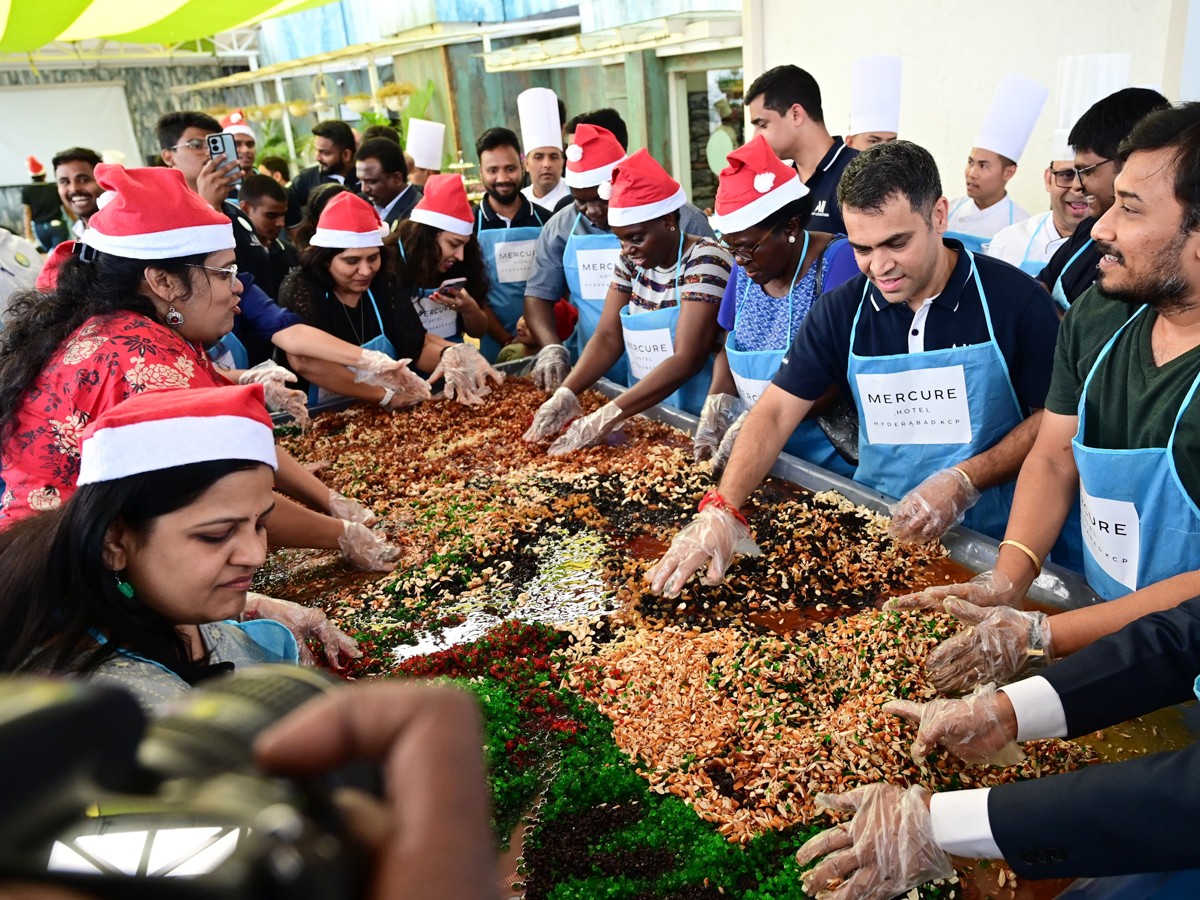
267, 372
716, 416
721, 457
999, 644
552, 366
367, 550
990, 588
378, 369
587, 431
466, 373
715, 536
278, 397
304, 622
342, 507
933, 507
975, 729
886, 850
553, 415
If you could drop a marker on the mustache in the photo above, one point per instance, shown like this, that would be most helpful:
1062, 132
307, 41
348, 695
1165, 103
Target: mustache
1109, 250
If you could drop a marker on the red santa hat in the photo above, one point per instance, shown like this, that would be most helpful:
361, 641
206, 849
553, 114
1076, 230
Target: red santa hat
349, 222
151, 213
47, 279
35, 167
755, 184
157, 430
445, 205
235, 123
642, 190
592, 157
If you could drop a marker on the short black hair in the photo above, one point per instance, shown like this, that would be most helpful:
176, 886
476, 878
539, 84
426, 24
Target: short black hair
278, 165
1176, 128
783, 87
607, 117
75, 154
388, 152
256, 188
381, 131
497, 137
171, 126
881, 172
1107, 122
336, 131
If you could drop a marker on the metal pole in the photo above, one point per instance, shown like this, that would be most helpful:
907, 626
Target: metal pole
287, 123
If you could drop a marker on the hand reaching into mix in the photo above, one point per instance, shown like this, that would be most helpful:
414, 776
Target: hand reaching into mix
714, 537
380, 370
279, 397
467, 374
933, 507
304, 622
553, 415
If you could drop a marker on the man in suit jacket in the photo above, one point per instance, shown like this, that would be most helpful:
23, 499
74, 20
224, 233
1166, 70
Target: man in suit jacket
383, 174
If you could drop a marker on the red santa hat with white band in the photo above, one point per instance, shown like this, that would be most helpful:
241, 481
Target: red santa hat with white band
592, 158
235, 123
349, 222
445, 205
158, 430
755, 184
642, 190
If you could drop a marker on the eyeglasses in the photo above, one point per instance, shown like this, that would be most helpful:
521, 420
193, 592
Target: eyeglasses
230, 272
1065, 178
745, 256
195, 145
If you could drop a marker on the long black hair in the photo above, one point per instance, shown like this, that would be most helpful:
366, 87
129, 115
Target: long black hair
36, 324
417, 266
305, 288
56, 593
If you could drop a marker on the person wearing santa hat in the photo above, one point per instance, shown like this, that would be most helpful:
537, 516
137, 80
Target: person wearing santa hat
243, 139
762, 210
661, 310
41, 210
138, 579
150, 284
541, 136
577, 251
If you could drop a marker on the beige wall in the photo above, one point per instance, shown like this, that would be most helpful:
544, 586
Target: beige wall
955, 52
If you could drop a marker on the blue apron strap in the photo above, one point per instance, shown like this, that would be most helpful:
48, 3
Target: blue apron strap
987, 317
403, 255
375, 306
1187, 401
1087, 382
1033, 237
858, 312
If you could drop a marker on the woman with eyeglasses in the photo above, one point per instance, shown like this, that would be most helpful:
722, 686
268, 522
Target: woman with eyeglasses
660, 310
762, 210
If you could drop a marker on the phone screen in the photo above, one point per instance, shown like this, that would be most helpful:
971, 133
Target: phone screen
452, 284
223, 143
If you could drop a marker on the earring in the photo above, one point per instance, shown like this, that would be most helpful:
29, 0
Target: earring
174, 317
791, 239
670, 228
123, 586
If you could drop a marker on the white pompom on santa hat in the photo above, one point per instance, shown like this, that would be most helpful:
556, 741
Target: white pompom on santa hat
592, 157
158, 430
349, 222
642, 190
755, 184
151, 213
445, 205
235, 123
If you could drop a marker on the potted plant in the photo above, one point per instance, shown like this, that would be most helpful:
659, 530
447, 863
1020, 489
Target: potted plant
253, 113
273, 111
395, 96
358, 103
298, 108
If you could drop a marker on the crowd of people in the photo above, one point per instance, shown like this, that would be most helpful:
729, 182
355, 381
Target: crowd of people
1033, 377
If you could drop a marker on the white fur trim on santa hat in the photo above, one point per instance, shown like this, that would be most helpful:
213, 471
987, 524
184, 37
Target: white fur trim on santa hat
632, 215
756, 210
347, 240
590, 178
163, 244
442, 221
119, 452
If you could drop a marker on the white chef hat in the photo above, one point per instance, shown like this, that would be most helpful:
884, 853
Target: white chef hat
1060, 147
1082, 80
875, 95
1015, 108
425, 142
540, 125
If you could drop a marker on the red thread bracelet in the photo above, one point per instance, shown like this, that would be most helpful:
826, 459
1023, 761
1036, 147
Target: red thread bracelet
712, 498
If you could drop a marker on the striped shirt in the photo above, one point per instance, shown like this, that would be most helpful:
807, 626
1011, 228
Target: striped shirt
703, 275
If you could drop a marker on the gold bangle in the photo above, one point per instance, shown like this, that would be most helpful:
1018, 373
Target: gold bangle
962, 472
1037, 563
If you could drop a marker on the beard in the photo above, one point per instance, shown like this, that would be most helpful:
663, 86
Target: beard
1165, 288
504, 194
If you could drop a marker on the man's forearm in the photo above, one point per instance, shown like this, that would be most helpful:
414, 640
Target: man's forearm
334, 378
765, 431
1002, 462
304, 340
297, 482
291, 525
539, 318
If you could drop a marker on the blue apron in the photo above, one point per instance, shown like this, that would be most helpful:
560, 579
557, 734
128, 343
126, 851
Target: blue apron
435, 318
895, 454
1058, 293
508, 256
973, 242
229, 353
588, 280
753, 370
317, 394
1140, 526
274, 638
650, 339
1033, 267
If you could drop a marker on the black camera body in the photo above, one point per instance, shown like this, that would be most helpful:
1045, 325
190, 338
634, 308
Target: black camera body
96, 800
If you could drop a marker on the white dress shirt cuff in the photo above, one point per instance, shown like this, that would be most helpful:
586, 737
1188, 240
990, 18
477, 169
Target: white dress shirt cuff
1039, 709
961, 826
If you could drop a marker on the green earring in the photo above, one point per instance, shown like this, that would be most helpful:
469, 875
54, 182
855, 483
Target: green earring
123, 586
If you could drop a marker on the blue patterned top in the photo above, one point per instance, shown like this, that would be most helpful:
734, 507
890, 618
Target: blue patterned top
762, 320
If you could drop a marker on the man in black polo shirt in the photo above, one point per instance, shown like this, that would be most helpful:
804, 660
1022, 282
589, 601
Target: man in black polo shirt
785, 106
333, 144
946, 356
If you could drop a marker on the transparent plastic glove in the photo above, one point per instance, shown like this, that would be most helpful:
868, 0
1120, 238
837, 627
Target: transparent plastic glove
304, 622
721, 457
998, 645
267, 372
587, 431
972, 728
342, 507
716, 416
552, 366
887, 849
990, 588
379, 369
280, 398
467, 374
366, 549
933, 507
714, 537
553, 415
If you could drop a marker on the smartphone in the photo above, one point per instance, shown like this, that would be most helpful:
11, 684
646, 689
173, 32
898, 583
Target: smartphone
222, 143
452, 284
